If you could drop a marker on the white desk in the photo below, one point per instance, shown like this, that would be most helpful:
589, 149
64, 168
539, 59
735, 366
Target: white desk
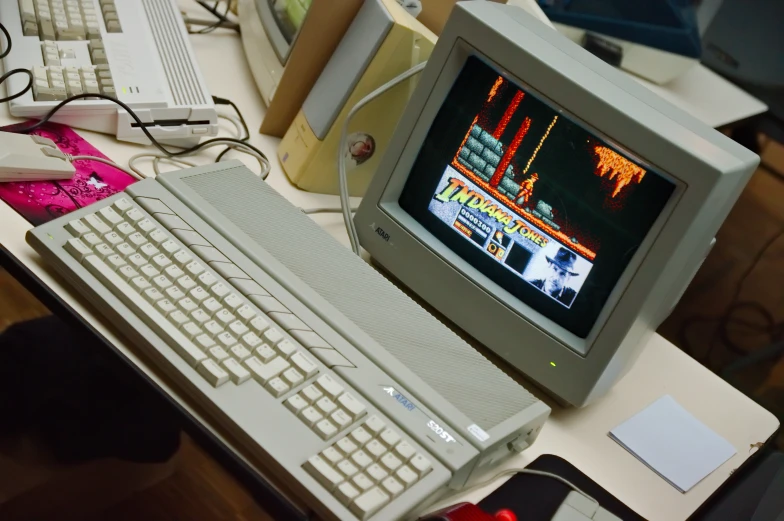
579, 436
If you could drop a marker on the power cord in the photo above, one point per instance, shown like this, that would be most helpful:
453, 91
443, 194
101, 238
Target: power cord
10, 73
223, 19
345, 202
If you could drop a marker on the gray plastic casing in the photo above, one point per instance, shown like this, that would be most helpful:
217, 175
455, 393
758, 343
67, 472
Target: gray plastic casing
708, 169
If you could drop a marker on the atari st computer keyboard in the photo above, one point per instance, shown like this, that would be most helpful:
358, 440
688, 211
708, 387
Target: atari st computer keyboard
134, 50
325, 372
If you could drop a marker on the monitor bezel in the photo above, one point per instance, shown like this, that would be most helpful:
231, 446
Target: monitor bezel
281, 47
389, 204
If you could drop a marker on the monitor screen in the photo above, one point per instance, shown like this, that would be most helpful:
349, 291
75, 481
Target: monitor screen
533, 198
289, 16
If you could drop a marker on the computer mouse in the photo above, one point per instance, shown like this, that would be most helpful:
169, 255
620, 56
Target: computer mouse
32, 158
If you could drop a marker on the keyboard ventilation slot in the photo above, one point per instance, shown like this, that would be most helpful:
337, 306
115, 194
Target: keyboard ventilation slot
173, 50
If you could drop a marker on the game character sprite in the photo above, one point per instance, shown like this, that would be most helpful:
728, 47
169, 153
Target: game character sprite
526, 189
561, 269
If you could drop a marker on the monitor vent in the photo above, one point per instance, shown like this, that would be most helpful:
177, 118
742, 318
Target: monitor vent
173, 49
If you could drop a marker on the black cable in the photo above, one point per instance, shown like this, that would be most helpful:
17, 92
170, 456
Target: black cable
141, 124
222, 18
23, 91
223, 101
7, 50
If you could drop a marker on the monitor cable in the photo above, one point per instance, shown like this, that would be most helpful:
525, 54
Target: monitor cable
4, 77
345, 202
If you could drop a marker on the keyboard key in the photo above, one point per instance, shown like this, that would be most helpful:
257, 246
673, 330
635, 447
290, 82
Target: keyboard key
362, 482
341, 419
264, 372
390, 462
207, 279
288, 321
153, 295
134, 215
199, 316
361, 459
174, 272
406, 476
160, 260
125, 229
369, 503
309, 339
175, 293
194, 268
272, 336
325, 405
165, 307
224, 317
77, 228
205, 342
237, 373
149, 271
78, 249
346, 446
259, 324
101, 249
232, 301
139, 284
323, 472
149, 250
137, 260
239, 329
170, 247
304, 364
389, 437
361, 436
158, 236
115, 261
376, 449
187, 305
226, 339
128, 273
91, 239
265, 353
122, 205
330, 454
191, 330
213, 327
220, 290
420, 464
375, 472
292, 377
96, 224
146, 226
245, 313
311, 393
161, 282
211, 306
125, 249
346, 493
347, 468
296, 404
112, 238
351, 405
392, 487
218, 354
329, 386
277, 387
404, 451
310, 415
325, 429
182, 258
239, 352
109, 216
185, 282
286, 348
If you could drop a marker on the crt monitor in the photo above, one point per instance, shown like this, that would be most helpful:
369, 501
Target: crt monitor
282, 20
545, 203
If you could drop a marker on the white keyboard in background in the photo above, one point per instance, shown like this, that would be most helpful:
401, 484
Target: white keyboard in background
134, 50
309, 394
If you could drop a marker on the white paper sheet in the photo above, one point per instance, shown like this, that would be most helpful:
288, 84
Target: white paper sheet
673, 443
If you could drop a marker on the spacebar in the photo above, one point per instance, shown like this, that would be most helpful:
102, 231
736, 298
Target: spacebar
144, 310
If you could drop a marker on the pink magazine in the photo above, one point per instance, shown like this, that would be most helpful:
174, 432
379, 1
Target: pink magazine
42, 201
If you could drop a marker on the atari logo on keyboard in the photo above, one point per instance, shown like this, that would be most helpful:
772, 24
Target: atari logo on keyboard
402, 400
